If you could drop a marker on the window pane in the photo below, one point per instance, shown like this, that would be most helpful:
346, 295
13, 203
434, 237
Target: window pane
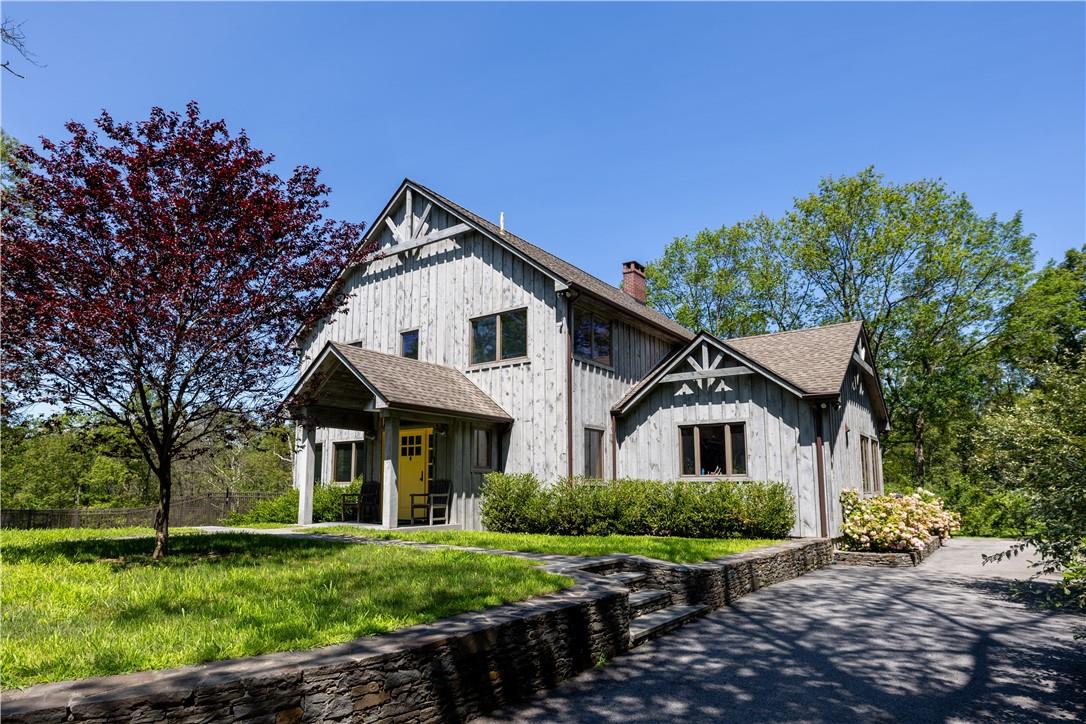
602, 341
484, 339
593, 447
712, 449
343, 462
686, 435
480, 449
318, 458
514, 334
409, 344
739, 450
359, 459
582, 336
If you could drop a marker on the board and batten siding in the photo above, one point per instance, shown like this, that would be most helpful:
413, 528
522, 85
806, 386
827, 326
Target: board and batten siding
854, 418
596, 388
779, 429
437, 289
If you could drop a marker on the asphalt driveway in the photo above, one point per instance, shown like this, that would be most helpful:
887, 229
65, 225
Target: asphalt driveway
939, 643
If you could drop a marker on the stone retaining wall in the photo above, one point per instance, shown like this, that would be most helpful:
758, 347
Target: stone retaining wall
895, 559
451, 670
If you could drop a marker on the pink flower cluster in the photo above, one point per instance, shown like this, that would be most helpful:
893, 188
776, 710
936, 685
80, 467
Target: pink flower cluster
895, 522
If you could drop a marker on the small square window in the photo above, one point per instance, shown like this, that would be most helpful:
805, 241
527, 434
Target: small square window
409, 344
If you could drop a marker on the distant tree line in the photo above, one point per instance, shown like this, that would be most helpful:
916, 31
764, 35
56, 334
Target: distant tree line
73, 460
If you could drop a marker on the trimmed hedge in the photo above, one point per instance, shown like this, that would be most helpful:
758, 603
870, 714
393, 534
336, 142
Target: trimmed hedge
578, 506
327, 507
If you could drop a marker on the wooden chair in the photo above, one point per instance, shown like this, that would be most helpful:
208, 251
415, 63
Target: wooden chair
433, 504
364, 506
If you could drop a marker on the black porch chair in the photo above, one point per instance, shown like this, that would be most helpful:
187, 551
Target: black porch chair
364, 506
433, 504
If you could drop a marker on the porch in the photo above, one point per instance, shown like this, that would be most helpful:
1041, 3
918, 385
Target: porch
422, 437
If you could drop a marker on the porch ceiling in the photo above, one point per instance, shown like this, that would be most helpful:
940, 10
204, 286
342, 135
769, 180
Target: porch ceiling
351, 378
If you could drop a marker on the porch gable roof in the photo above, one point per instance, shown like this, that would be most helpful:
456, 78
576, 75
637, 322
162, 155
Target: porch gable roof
403, 383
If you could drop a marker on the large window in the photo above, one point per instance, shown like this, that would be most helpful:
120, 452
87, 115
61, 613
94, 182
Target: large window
593, 452
592, 337
348, 461
713, 450
409, 344
499, 336
482, 453
870, 464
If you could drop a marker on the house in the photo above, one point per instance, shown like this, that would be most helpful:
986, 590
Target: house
464, 349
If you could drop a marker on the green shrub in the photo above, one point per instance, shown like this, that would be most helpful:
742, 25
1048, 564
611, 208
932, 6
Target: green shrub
327, 507
579, 506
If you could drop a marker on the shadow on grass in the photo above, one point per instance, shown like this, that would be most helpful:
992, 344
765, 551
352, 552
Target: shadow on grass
240, 548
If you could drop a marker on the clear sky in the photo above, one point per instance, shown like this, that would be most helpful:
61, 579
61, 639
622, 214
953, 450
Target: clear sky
601, 130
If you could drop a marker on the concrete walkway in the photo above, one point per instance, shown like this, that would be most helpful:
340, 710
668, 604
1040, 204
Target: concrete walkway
939, 643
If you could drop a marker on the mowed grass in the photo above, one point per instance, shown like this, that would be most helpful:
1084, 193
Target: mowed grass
79, 603
677, 550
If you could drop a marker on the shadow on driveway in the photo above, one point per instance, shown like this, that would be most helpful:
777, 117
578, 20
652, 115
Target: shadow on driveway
846, 644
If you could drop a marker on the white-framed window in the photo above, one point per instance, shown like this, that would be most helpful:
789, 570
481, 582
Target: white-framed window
712, 450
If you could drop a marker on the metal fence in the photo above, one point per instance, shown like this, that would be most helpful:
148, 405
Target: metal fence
207, 509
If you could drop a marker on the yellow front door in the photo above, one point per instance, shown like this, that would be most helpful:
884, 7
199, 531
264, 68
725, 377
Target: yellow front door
414, 468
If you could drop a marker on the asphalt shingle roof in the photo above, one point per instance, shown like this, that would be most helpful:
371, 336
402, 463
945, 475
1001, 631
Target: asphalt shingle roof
815, 360
405, 382
562, 269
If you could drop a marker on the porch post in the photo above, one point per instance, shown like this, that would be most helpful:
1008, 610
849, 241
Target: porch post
303, 474
390, 498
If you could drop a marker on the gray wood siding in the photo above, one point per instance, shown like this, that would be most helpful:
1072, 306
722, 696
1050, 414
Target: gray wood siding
854, 418
779, 430
438, 289
635, 352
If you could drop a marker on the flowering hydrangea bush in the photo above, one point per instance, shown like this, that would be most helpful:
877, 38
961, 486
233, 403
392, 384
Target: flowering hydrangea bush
895, 522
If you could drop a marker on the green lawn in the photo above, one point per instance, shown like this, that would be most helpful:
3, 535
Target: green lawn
678, 550
79, 603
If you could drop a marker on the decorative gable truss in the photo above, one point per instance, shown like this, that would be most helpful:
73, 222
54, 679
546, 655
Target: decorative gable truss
411, 223
706, 367
705, 363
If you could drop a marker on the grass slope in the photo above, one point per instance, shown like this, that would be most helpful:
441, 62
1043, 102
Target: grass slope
79, 603
677, 550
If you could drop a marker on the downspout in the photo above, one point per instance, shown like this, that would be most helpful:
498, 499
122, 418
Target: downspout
570, 296
816, 410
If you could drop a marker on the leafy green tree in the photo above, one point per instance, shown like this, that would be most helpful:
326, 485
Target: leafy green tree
1036, 446
928, 275
1047, 322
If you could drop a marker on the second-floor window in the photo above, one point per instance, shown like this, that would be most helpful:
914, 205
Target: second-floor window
499, 336
409, 344
592, 337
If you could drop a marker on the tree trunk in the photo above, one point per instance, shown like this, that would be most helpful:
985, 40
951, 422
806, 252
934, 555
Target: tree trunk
162, 515
919, 464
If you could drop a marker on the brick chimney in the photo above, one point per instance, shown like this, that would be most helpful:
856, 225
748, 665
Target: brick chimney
633, 280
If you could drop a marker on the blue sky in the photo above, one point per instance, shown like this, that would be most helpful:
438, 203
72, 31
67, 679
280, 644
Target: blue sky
601, 130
